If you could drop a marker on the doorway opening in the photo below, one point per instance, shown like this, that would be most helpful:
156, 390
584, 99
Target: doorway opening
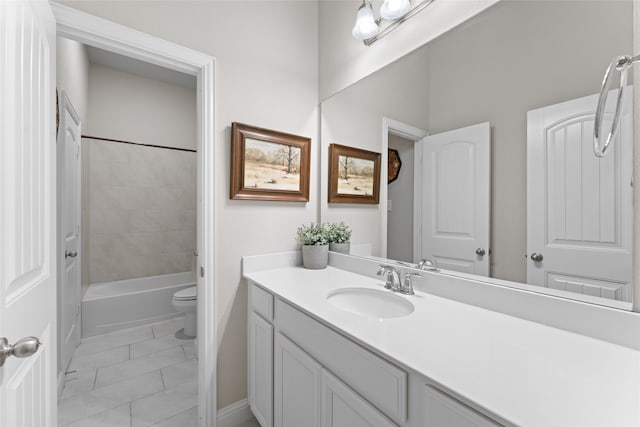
117, 39
401, 200
129, 224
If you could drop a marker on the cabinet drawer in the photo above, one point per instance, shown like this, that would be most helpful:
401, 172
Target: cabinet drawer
261, 301
380, 382
443, 410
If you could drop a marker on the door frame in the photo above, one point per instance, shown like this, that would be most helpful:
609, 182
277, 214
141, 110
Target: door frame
94, 31
414, 134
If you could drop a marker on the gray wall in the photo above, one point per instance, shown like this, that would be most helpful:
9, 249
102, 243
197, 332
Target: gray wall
400, 195
354, 118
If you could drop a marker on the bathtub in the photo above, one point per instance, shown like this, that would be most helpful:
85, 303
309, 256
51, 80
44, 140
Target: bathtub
110, 306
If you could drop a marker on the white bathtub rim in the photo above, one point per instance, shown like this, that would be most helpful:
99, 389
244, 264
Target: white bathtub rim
100, 290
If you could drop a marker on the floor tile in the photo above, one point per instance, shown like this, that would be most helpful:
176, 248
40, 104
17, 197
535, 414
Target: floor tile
170, 327
180, 373
127, 369
85, 405
85, 362
114, 339
251, 423
78, 382
120, 416
188, 418
160, 406
143, 348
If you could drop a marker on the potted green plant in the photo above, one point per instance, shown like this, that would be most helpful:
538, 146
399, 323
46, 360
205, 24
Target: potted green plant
339, 236
315, 246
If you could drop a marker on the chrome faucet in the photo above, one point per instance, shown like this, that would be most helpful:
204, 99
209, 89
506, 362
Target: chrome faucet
392, 276
427, 264
394, 281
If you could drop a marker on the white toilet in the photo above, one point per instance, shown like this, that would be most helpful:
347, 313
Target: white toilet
185, 301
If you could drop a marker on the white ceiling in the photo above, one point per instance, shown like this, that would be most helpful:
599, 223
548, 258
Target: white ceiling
139, 68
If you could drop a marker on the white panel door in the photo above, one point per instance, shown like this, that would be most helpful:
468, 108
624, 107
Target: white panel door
296, 386
579, 207
69, 181
343, 407
28, 210
260, 369
456, 199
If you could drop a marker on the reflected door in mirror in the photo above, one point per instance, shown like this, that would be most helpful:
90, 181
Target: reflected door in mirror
456, 199
579, 207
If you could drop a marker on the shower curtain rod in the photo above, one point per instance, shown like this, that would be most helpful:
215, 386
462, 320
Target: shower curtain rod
138, 143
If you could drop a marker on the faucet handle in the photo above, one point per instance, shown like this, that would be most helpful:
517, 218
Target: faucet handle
407, 288
427, 264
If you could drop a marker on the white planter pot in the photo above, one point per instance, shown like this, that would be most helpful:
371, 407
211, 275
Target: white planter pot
342, 248
315, 257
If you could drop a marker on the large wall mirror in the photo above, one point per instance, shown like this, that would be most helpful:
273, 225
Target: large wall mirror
493, 123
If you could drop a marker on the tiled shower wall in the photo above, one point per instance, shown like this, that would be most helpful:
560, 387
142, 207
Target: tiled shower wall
142, 210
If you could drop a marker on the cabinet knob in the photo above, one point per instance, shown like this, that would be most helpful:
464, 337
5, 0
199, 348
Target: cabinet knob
480, 252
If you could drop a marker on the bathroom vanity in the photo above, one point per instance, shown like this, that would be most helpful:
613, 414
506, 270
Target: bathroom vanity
334, 348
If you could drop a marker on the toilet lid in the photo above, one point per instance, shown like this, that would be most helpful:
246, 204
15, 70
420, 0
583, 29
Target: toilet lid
185, 294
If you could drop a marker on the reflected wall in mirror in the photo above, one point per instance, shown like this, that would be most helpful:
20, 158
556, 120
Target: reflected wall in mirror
529, 69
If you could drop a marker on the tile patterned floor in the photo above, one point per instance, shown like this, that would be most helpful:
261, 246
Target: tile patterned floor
137, 377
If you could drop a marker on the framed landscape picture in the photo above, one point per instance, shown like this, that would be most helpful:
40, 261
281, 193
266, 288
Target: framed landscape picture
354, 175
268, 165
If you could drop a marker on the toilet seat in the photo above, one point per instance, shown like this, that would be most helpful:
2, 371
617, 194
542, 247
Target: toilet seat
187, 294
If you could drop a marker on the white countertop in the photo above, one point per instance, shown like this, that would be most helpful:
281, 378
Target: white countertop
529, 374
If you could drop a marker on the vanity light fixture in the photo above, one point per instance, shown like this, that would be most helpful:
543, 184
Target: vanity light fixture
392, 14
365, 27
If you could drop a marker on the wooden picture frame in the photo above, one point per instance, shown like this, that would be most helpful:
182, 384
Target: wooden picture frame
354, 175
394, 165
268, 165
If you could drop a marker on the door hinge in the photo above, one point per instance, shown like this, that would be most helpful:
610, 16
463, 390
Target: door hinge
201, 271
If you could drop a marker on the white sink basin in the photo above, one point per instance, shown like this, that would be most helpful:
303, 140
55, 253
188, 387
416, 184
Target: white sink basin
370, 302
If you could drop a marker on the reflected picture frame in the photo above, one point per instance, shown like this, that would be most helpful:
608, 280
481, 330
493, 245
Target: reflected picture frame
269, 165
354, 175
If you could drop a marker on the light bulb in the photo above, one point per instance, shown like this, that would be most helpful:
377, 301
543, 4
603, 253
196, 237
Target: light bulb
365, 26
394, 9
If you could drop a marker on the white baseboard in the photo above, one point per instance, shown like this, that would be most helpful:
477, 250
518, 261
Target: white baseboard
234, 414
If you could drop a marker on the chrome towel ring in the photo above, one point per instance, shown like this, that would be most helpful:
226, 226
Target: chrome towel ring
619, 65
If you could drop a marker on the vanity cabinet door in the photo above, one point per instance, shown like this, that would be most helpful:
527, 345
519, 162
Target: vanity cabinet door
443, 410
296, 386
343, 407
261, 369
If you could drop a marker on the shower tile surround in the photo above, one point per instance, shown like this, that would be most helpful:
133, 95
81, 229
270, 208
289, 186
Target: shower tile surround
141, 210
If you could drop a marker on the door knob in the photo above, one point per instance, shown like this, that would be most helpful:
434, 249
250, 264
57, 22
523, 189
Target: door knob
480, 252
23, 348
71, 254
536, 257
